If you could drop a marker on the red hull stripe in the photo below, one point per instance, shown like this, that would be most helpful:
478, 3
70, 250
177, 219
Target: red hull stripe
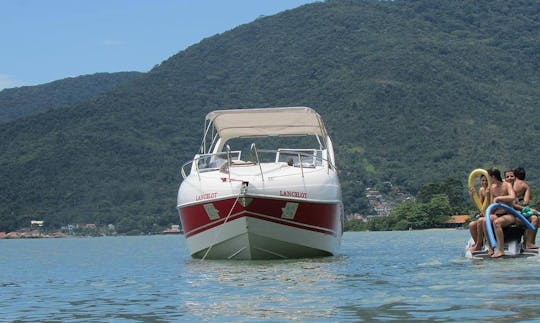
258, 216
318, 217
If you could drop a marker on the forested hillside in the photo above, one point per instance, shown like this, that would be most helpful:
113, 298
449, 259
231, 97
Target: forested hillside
26, 100
412, 92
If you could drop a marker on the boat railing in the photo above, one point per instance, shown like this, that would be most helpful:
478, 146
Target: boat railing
253, 150
301, 158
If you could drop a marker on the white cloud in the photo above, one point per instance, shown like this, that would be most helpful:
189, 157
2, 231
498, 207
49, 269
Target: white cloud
6, 81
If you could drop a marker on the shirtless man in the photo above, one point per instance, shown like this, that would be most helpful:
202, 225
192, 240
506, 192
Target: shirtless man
500, 192
523, 196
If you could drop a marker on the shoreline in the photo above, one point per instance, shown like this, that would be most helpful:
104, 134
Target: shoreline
36, 235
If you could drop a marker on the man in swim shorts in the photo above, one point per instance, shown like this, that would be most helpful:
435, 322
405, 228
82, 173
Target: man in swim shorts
523, 196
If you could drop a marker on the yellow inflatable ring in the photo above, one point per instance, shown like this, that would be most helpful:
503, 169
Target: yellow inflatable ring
475, 197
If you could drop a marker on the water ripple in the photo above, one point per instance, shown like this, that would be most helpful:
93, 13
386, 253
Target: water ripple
379, 276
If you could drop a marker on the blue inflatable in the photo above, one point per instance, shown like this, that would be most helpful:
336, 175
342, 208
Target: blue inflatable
489, 228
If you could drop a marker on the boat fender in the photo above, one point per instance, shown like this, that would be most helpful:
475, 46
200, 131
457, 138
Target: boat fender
489, 228
475, 197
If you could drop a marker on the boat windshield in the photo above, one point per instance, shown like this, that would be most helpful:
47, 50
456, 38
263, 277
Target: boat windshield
208, 162
297, 157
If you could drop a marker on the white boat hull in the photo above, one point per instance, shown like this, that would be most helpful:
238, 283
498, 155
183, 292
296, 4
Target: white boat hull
249, 238
267, 228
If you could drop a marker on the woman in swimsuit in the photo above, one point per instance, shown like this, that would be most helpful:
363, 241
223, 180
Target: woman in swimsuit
476, 228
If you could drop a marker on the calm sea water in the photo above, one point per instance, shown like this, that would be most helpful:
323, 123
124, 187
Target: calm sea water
402, 276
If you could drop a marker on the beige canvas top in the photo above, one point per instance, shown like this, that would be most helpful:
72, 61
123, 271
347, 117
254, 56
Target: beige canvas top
267, 122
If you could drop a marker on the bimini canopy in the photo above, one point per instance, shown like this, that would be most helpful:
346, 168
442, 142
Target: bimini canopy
289, 121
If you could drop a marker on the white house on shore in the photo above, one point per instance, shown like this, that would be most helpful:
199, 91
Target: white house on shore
37, 223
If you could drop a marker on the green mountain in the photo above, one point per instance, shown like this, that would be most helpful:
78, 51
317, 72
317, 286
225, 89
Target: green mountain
412, 92
27, 100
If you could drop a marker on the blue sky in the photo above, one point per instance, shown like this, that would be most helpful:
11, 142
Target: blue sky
47, 40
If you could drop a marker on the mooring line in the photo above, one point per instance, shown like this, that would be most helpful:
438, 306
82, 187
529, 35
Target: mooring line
219, 231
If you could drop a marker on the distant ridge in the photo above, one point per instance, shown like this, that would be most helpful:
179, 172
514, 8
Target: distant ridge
28, 100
